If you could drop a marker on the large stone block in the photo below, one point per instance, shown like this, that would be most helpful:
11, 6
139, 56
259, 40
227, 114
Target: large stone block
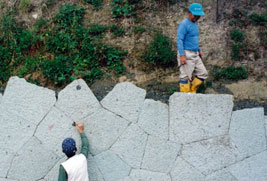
5, 179
137, 175
183, 171
111, 166
1, 97
252, 168
93, 171
265, 117
131, 146
54, 129
125, 100
32, 162
211, 155
5, 161
247, 131
196, 117
77, 101
103, 129
160, 155
14, 130
154, 118
221, 175
27, 100
53, 173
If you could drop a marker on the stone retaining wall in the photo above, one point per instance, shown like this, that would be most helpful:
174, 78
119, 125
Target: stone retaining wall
195, 137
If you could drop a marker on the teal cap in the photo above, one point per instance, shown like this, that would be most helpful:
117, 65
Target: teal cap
196, 9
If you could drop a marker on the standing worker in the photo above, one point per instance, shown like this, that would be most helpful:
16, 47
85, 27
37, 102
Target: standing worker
189, 55
75, 168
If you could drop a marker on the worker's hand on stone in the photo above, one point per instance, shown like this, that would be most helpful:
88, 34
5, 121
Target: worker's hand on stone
80, 127
182, 59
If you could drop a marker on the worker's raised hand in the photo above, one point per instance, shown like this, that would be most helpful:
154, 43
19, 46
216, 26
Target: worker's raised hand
182, 59
80, 127
201, 54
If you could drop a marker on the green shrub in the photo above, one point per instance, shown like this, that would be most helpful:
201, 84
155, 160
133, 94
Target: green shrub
120, 8
97, 30
237, 35
258, 19
30, 65
236, 51
231, 73
94, 73
116, 30
97, 4
160, 51
139, 30
69, 16
58, 70
263, 38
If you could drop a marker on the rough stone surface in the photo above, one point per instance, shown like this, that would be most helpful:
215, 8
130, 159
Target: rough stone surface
211, 155
253, 168
53, 173
32, 162
77, 101
184, 171
1, 97
111, 166
130, 146
247, 131
265, 117
27, 100
54, 129
160, 155
145, 175
5, 161
125, 100
4, 179
93, 170
103, 129
154, 118
14, 130
195, 117
222, 175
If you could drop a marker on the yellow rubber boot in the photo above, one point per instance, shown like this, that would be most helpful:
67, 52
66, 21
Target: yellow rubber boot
184, 86
195, 84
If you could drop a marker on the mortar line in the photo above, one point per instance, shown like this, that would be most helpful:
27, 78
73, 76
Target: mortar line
192, 165
144, 151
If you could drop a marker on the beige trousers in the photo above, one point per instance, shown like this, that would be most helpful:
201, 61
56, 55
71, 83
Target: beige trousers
193, 65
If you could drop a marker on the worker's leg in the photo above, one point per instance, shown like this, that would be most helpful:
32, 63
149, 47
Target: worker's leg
201, 74
186, 71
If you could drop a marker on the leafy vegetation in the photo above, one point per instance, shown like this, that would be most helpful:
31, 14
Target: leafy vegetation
237, 35
230, 73
124, 8
258, 19
97, 4
160, 51
116, 30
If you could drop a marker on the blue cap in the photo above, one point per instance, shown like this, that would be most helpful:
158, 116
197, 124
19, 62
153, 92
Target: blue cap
196, 9
69, 146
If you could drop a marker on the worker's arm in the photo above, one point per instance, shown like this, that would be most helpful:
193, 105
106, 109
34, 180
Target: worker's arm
85, 144
62, 175
181, 32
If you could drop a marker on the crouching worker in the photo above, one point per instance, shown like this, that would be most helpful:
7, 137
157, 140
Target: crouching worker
189, 54
75, 167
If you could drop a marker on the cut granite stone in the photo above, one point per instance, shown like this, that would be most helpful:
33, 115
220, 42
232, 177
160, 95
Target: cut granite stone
252, 168
32, 162
54, 129
211, 155
154, 118
1, 97
77, 101
144, 175
221, 175
111, 166
125, 100
103, 129
14, 130
130, 146
5, 161
93, 170
5, 179
53, 173
27, 100
247, 131
184, 171
195, 117
160, 155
